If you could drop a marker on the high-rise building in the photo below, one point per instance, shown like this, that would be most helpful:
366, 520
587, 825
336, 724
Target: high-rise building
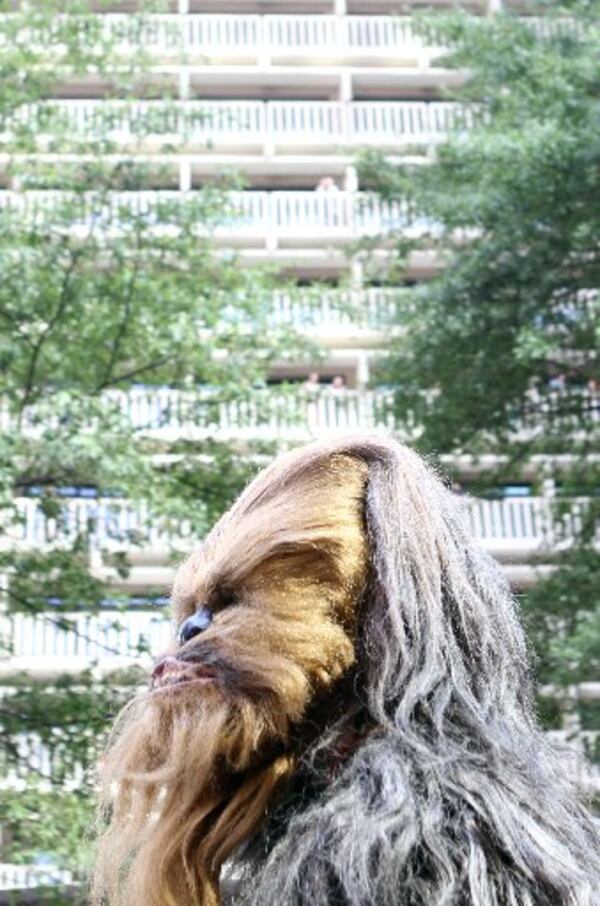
284, 92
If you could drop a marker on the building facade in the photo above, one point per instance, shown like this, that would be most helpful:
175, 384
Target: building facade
284, 92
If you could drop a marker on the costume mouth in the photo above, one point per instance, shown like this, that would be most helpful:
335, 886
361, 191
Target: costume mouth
170, 673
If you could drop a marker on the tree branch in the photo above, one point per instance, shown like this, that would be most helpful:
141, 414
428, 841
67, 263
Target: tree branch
135, 372
122, 328
37, 348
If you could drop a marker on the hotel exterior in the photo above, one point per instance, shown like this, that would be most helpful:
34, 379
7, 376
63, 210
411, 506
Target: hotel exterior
285, 93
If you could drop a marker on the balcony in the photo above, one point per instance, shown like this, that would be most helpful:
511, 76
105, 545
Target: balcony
273, 39
295, 414
74, 642
51, 643
298, 219
291, 415
373, 40
17, 878
256, 219
513, 529
574, 412
245, 126
39, 762
343, 317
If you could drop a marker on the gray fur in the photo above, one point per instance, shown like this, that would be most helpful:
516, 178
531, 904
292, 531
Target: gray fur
456, 796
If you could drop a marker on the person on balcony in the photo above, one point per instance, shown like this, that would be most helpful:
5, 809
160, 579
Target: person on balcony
327, 184
338, 384
313, 382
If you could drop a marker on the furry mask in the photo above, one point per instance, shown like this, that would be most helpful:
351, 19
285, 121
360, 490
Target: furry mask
344, 714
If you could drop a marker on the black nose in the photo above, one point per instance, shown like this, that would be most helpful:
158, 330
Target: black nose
195, 624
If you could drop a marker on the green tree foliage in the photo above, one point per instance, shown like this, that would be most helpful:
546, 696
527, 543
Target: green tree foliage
103, 297
513, 210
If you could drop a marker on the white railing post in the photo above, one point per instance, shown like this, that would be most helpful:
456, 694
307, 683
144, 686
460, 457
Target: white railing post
272, 208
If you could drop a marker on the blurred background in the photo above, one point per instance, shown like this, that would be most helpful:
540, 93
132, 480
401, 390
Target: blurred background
230, 226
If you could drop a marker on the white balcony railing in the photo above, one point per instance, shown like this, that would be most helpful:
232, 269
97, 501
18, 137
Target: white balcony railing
376, 309
107, 523
370, 38
223, 35
572, 410
107, 641
294, 217
269, 37
82, 639
265, 415
336, 216
21, 877
244, 124
302, 413
521, 522
269, 416
34, 757
377, 40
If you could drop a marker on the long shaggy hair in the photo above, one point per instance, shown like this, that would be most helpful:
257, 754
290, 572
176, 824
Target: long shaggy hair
354, 725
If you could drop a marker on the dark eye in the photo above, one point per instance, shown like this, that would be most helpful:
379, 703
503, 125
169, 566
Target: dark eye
225, 597
221, 597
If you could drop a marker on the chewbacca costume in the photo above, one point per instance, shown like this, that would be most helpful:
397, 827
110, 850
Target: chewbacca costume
344, 717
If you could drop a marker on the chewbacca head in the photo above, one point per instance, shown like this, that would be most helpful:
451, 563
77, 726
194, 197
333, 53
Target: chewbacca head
266, 618
338, 608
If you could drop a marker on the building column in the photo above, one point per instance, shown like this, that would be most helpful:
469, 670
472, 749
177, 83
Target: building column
185, 176
345, 87
268, 130
569, 711
356, 274
184, 84
362, 370
339, 7
548, 486
350, 179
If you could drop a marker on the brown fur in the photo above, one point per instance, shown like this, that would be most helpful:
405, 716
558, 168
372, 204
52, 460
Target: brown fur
190, 772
